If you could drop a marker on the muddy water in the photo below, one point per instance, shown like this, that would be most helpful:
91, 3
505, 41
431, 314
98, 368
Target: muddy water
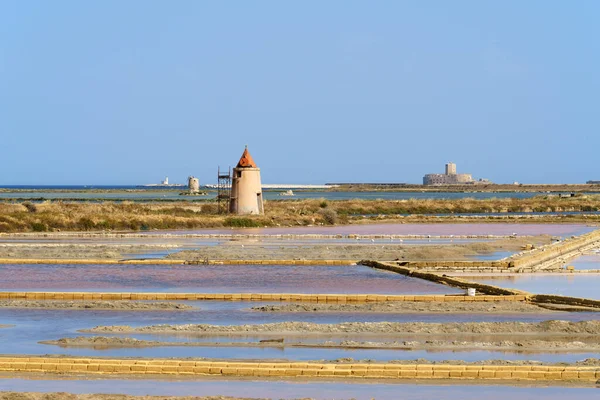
214, 279
298, 389
409, 229
574, 285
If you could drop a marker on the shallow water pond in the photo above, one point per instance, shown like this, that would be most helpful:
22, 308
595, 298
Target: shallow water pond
297, 389
574, 285
32, 326
214, 279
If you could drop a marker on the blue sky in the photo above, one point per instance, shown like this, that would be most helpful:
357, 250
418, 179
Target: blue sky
126, 92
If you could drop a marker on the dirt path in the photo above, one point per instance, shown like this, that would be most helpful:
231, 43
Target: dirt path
409, 307
103, 342
95, 305
553, 327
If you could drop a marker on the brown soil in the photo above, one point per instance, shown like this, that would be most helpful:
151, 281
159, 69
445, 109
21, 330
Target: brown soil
102, 342
409, 307
95, 305
552, 327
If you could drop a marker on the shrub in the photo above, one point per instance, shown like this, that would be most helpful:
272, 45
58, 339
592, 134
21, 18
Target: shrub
86, 224
241, 222
38, 227
329, 216
323, 204
30, 206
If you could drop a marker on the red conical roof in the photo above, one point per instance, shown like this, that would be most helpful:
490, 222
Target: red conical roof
246, 161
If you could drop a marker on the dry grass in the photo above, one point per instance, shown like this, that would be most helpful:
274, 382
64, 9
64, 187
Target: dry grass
76, 216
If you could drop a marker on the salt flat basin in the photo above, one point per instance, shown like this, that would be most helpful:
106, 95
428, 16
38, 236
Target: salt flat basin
562, 230
295, 389
214, 279
34, 325
574, 285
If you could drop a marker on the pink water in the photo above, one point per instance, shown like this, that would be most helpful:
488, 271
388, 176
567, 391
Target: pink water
213, 279
408, 229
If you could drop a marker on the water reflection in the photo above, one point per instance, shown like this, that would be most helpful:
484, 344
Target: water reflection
322, 389
214, 279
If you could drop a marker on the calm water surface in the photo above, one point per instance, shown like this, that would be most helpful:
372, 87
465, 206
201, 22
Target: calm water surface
32, 326
589, 261
574, 285
214, 279
299, 389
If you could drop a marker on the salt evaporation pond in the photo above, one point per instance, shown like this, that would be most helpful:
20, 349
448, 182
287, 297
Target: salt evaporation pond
589, 261
214, 279
34, 325
501, 229
573, 285
323, 389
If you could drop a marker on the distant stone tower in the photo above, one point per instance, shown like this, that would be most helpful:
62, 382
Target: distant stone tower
193, 184
246, 189
450, 169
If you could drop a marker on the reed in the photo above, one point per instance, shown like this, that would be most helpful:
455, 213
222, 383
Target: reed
116, 216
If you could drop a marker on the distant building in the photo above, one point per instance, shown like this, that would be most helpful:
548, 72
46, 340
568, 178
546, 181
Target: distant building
593, 182
449, 178
246, 190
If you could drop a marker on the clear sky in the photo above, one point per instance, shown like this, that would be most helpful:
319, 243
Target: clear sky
126, 92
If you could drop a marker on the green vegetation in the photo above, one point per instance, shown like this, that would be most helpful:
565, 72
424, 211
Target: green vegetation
241, 222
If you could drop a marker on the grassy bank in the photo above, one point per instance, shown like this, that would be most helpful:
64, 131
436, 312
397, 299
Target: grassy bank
75, 216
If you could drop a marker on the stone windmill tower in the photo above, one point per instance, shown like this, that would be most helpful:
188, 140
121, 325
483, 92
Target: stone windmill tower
246, 190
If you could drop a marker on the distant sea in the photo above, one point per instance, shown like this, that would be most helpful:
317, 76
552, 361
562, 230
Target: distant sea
149, 193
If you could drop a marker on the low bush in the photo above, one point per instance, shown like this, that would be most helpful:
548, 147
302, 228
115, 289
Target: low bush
241, 222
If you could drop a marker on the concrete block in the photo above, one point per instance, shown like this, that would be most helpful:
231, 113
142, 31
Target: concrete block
483, 374
424, 373
570, 375
519, 374
587, 375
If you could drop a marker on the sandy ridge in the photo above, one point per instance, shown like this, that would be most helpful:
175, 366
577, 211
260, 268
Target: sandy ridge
546, 327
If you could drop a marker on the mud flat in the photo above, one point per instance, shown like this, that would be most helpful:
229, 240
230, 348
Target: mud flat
394, 249
79, 250
501, 307
95, 305
271, 248
552, 327
103, 342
